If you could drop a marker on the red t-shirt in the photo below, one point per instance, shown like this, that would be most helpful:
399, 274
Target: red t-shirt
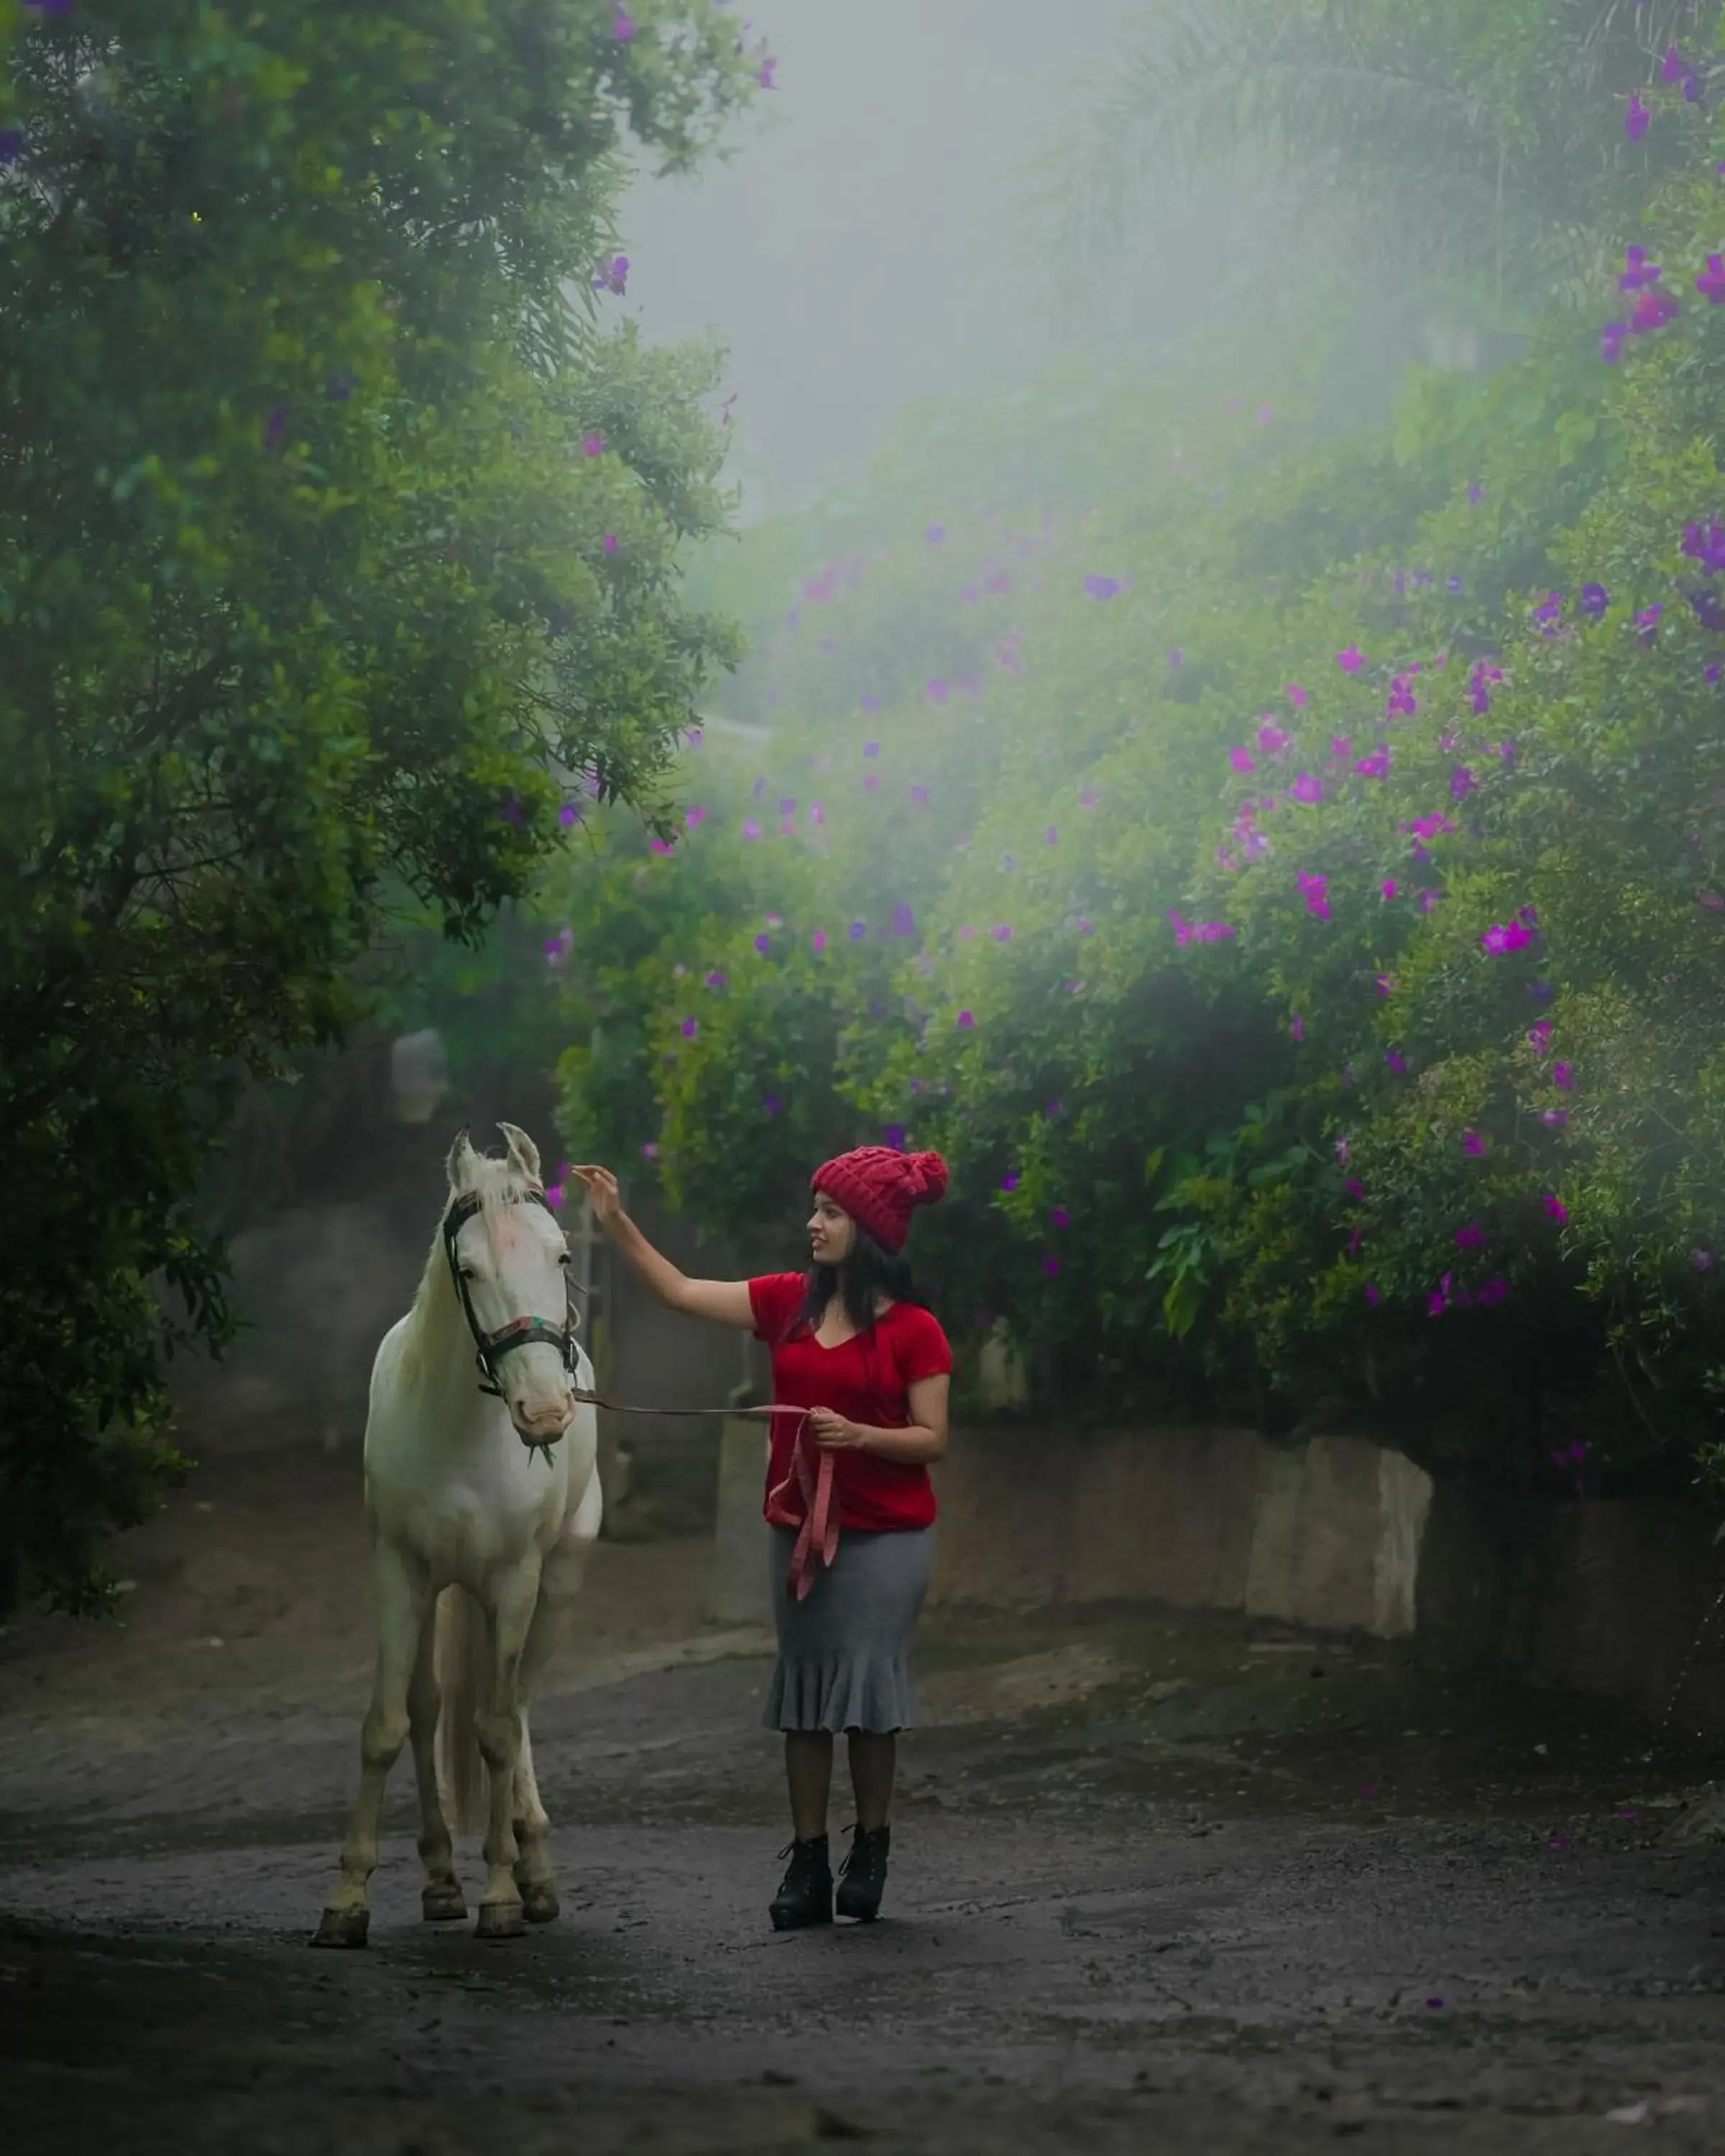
866, 1379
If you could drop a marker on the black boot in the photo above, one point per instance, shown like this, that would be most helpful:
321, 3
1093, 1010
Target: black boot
805, 1896
863, 1876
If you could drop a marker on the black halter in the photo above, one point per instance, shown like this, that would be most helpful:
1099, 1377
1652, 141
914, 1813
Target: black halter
491, 1347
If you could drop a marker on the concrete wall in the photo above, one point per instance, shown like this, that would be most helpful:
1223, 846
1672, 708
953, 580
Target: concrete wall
1626, 1601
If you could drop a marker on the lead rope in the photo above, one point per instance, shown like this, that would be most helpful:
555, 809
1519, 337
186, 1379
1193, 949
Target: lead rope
817, 1538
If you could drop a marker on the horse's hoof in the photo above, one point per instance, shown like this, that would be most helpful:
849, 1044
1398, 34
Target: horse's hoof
443, 1903
499, 1920
539, 1903
343, 1927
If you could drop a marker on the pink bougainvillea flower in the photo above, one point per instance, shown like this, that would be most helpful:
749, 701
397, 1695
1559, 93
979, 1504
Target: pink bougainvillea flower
1472, 1237
1636, 118
1305, 787
1010, 1181
1051, 1266
1296, 1028
1373, 1296
966, 1022
1704, 543
1436, 1301
661, 846
1242, 760
1375, 766
1387, 888
1351, 659
1428, 899
1271, 739
1295, 694
1555, 1207
1314, 889
1539, 1035
1059, 1217
1385, 983
691, 1028
713, 981
1563, 1075
568, 814
1462, 782
1637, 271
1001, 934
1401, 703
593, 444
1473, 1144
1702, 1260
623, 26
1495, 1290
1501, 939
1652, 310
1556, 1117
1355, 1188
1397, 1062
1647, 623
1611, 339
1341, 748
1084, 927
1710, 282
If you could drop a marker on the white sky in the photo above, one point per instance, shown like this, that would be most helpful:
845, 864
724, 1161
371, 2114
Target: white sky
868, 245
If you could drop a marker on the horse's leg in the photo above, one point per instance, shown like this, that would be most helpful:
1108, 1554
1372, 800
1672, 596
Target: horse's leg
559, 1583
440, 1898
403, 1600
499, 1729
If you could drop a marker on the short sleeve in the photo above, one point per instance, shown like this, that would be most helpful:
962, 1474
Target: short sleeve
919, 1347
775, 1298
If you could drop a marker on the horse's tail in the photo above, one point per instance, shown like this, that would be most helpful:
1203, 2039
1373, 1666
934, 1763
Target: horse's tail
462, 1662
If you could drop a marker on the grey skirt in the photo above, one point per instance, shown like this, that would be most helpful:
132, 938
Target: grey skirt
844, 1651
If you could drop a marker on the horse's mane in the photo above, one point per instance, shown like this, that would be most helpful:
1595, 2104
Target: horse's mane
500, 1183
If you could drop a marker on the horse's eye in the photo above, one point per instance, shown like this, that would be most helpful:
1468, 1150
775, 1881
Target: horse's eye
562, 1257
468, 1273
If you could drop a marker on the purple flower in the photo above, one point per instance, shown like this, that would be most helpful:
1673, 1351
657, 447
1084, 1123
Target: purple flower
1500, 938
1295, 694
1555, 1207
623, 27
1638, 271
1462, 782
1611, 339
1051, 1266
1472, 1237
1636, 118
609, 543
1372, 1294
1271, 739
1177, 658
1702, 1260
1059, 1218
1704, 543
1556, 1117
763, 943
1562, 1075
1710, 282
1242, 760
1002, 934
1539, 1035
1594, 601
1652, 310
691, 1028
751, 828
1397, 1062
1647, 623
593, 444
1296, 1028
1341, 748
1101, 588
1428, 899
1305, 787
966, 1022
1387, 888
1350, 661
904, 921
1375, 766
1315, 889
936, 691
568, 814
818, 941
12, 145
1540, 991
1473, 1144
613, 275
769, 70
1051, 836
1010, 1181
934, 533
859, 929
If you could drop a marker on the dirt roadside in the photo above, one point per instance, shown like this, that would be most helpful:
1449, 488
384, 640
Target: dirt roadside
1159, 1881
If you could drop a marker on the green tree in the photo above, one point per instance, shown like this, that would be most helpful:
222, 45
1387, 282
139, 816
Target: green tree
339, 576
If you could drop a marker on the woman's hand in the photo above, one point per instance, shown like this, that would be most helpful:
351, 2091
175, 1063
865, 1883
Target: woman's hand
833, 1433
602, 1192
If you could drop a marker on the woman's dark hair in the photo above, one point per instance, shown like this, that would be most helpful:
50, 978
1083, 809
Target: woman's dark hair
866, 1274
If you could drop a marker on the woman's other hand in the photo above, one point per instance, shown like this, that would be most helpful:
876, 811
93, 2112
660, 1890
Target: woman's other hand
833, 1433
602, 1192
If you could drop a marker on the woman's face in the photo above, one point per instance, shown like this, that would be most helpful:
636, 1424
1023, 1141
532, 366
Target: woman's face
832, 1232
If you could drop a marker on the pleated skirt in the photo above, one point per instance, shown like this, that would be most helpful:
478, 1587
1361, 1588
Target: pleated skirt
844, 1651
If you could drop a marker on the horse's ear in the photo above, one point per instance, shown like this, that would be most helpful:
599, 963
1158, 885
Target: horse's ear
461, 1161
522, 1151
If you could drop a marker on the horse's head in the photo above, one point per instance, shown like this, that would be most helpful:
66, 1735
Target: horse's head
508, 1260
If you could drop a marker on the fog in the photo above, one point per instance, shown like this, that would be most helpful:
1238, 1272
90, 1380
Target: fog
869, 242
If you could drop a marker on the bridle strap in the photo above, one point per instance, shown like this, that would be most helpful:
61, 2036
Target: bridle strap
491, 1347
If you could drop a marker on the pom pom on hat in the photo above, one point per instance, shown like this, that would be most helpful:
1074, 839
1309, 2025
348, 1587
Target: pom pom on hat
880, 1188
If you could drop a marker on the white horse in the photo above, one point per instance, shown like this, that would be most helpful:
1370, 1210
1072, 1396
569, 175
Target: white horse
482, 1494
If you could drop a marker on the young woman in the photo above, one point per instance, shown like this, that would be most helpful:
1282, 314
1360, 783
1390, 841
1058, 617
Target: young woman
862, 1368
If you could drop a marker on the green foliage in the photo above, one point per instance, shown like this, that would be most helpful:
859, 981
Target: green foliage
1228, 1173
338, 544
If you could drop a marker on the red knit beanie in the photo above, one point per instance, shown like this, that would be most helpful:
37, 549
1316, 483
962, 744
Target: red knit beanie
880, 1188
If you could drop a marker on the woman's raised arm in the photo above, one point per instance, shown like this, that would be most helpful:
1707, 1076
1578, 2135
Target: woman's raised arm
720, 1302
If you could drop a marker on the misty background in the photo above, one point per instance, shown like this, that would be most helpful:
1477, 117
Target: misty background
870, 242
